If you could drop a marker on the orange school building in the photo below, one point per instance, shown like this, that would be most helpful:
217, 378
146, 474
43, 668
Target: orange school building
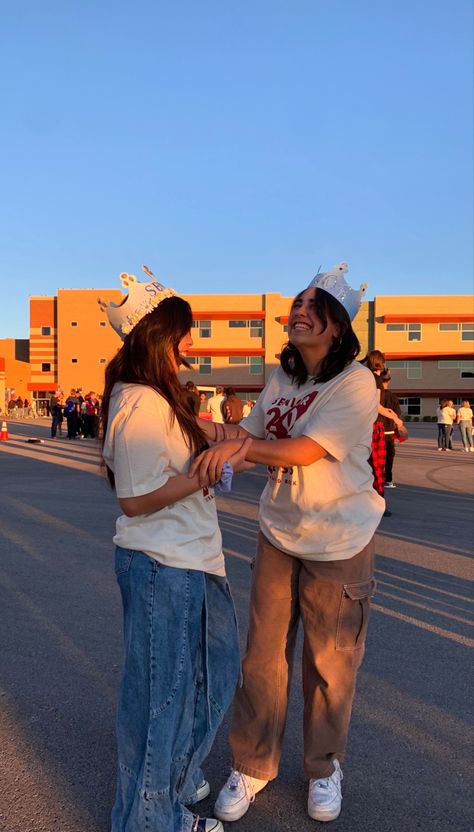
428, 341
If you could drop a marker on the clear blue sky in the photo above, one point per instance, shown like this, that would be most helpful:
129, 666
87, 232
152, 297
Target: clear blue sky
234, 146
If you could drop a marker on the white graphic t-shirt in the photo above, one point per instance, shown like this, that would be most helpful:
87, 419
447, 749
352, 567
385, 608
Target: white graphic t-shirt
328, 510
144, 448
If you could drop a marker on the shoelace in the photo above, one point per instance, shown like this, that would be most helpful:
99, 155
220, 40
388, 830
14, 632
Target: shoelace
325, 782
234, 779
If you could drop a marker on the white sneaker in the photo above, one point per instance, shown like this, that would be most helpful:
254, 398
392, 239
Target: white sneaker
471, 449
236, 796
206, 825
324, 796
390, 485
202, 791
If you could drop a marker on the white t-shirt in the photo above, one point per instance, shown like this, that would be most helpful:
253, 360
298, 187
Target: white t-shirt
214, 407
144, 448
465, 414
445, 415
328, 510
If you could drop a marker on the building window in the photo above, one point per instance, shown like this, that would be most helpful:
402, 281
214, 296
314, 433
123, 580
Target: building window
46, 367
256, 365
254, 362
45, 330
411, 405
466, 368
255, 326
413, 330
102, 360
413, 369
256, 329
285, 327
73, 360
203, 363
102, 323
205, 328
466, 330
73, 323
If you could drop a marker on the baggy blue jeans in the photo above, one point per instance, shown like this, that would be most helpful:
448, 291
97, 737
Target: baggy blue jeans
181, 665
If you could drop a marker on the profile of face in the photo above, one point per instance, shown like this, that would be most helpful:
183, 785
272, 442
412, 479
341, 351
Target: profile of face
305, 329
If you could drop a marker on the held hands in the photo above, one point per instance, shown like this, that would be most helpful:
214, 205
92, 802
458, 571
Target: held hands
208, 465
395, 418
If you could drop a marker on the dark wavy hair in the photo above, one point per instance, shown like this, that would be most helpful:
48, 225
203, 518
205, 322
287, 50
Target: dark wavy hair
343, 350
145, 358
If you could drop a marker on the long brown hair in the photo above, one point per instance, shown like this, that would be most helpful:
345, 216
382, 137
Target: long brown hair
345, 348
146, 358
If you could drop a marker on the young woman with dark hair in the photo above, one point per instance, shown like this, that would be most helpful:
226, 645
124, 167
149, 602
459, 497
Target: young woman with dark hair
375, 361
181, 655
312, 427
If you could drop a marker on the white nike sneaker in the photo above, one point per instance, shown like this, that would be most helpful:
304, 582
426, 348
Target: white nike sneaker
325, 797
236, 795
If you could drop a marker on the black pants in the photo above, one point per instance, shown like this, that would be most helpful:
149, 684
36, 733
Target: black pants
389, 457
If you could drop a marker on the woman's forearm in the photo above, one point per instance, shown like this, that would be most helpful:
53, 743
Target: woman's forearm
176, 488
218, 431
285, 452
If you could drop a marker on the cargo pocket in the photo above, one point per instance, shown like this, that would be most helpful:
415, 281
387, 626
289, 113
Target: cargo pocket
353, 617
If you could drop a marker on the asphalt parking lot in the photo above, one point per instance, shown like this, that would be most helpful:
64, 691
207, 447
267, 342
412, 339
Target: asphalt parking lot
409, 761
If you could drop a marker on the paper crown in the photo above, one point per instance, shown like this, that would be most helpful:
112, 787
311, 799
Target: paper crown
335, 283
142, 298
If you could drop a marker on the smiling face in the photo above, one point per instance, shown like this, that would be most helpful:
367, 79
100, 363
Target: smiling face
306, 331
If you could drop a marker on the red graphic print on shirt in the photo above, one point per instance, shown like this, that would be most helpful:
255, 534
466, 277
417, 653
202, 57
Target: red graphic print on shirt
284, 413
282, 417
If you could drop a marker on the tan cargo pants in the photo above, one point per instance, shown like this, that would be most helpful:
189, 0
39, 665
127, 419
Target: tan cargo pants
333, 600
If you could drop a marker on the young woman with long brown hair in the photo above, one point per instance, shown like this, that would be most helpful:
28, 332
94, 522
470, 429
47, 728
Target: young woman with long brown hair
181, 655
312, 427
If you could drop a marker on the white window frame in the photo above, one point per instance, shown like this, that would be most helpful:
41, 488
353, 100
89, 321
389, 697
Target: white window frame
467, 327
410, 401
205, 328
413, 368
253, 362
203, 363
408, 328
254, 325
466, 367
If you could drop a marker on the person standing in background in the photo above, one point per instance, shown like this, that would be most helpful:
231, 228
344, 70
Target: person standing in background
464, 420
443, 425
390, 400
191, 395
375, 361
232, 408
214, 406
452, 417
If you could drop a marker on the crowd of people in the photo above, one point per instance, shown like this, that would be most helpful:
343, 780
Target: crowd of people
81, 413
223, 406
448, 418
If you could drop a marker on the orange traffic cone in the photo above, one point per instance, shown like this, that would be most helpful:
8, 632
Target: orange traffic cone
4, 432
